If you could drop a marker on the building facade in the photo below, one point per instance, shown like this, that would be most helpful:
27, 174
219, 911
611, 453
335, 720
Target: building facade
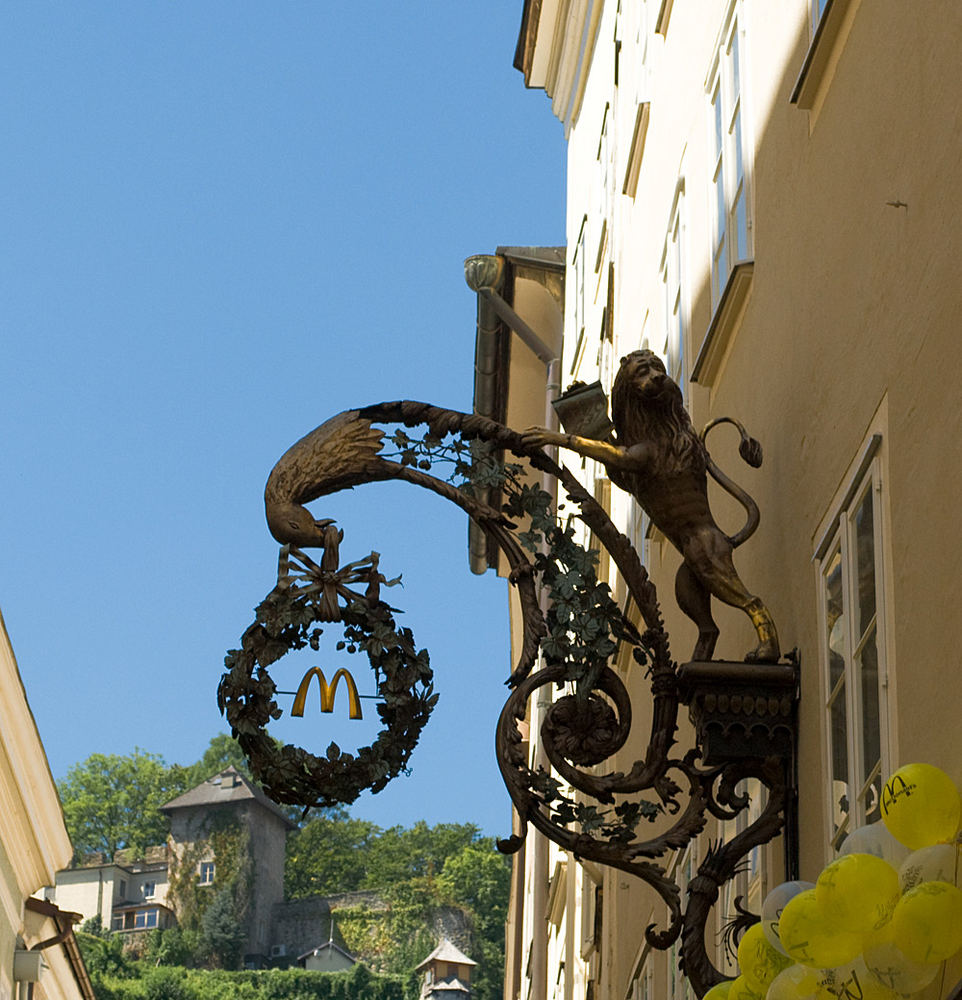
764, 198
39, 957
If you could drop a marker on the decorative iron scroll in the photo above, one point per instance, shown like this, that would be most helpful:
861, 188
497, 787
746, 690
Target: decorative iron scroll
597, 816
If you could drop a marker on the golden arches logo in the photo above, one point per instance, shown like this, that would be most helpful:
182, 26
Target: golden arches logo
327, 693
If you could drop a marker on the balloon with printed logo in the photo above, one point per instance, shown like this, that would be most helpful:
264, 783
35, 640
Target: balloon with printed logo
858, 892
927, 923
811, 938
758, 960
719, 991
891, 967
772, 908
921, 805
742, 988
938, 863
852, 981
875, 838
797, 982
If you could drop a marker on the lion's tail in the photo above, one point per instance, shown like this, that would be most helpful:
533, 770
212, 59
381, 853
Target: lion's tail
751, 451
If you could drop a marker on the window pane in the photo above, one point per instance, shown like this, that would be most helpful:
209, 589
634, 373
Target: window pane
835, 625
736, 131
839, 738
719, 130
741, 226
865, 562
735, 65
867, 665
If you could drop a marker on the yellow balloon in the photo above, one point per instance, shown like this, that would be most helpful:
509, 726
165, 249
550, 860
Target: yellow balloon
811, 938
927, 923
742, 989
858, 892
759, 962
921, 806
797, 982
719, 991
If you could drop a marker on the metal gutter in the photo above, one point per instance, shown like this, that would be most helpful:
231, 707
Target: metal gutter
64, 921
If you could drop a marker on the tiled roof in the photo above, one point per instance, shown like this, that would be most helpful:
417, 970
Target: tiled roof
445, 986
446, 952
322, 947
228, 785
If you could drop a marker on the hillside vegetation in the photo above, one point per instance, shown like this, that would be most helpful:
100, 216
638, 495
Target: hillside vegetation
420, 882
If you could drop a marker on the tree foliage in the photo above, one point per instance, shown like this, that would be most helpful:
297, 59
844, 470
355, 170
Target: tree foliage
142, 981
333, 854
112, 801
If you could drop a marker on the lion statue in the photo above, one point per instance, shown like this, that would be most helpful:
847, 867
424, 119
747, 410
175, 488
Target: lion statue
657, 457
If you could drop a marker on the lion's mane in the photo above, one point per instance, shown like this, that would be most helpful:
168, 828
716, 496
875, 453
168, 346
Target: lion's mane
664, 422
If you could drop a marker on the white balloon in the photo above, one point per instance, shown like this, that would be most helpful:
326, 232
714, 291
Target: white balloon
794, 982
937, 863
875, 839
775, 902
890, 967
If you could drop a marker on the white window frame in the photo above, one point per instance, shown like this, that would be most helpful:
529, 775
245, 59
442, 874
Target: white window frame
150, 890
679, 986
675, 297
578, 265
729, 150
205, 873
847, 691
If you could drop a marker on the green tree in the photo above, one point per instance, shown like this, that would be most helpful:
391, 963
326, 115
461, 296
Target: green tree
111, 801
328, 855
222, 752
222, 929
421, 850
478, 879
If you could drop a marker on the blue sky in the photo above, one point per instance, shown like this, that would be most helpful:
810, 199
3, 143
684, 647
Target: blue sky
223, 222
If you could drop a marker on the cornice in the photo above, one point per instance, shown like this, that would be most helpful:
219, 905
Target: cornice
31, 821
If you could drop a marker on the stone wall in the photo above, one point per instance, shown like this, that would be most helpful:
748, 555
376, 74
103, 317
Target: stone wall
302, 924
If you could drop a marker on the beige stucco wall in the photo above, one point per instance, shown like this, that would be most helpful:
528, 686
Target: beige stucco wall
97, 889
850, 329
33, 837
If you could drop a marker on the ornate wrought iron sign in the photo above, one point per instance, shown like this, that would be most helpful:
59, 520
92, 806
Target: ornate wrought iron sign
744, 713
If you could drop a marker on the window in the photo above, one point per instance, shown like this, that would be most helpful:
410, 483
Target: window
672, 276
144, 919
852, 651
578, 263
122, 889
731, 233
207, 873
679, 987
150, 890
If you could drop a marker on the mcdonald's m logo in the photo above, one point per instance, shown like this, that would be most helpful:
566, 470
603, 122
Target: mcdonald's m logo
327, 693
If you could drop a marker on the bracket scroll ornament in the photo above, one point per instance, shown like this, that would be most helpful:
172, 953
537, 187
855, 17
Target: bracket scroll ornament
572, 629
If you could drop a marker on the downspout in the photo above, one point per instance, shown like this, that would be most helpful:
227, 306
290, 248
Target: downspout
64, 922
484, 271
484, 274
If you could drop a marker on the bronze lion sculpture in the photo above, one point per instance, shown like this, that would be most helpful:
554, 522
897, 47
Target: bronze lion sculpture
658, 458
